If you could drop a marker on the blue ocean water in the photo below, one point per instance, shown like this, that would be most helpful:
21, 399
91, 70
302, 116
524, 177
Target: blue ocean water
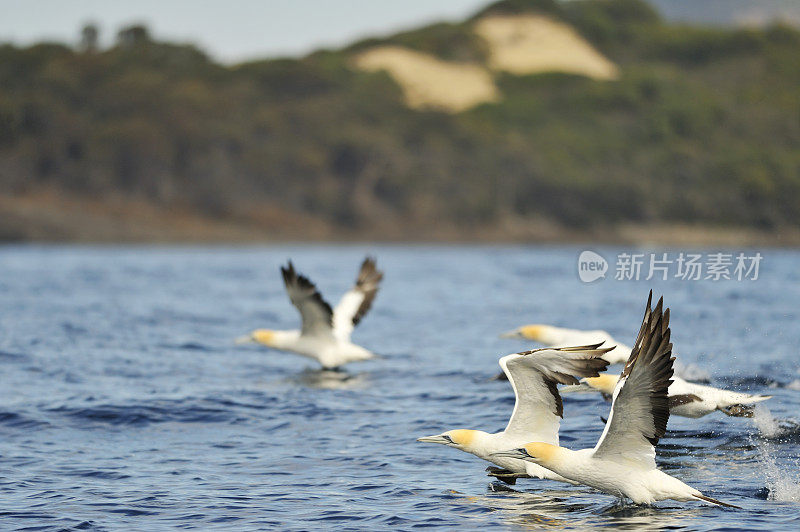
125, 404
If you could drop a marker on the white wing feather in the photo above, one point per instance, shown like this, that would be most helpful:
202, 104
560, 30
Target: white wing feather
315, 312
356, 302
534, 375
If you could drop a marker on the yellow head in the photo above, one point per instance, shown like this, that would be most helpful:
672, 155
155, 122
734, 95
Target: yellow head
533, 332
461, 438
541, 453
263, 336
527, 332
604, 383
537, 453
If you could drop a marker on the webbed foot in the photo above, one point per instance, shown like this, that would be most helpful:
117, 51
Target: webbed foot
504, 475
738, 410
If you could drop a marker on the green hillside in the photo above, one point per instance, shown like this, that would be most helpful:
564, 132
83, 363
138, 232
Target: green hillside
702, 127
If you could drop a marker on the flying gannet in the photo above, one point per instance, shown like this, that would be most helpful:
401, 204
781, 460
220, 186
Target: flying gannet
325, 332
554, 336
623, 461
537, 411
687, 399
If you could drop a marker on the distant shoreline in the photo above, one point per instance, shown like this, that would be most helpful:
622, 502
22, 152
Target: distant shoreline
58, 218
478, 130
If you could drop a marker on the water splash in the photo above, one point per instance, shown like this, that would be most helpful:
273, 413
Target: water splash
782, 482
777, 430
691, 372
766, 424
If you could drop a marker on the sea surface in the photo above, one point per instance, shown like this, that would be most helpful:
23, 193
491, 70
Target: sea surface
126, 405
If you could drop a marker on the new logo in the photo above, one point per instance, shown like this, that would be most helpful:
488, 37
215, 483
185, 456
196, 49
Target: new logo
591, 266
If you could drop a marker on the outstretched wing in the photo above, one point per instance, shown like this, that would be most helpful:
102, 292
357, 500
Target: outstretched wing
316, 312
640, 410
358, 300
534, 375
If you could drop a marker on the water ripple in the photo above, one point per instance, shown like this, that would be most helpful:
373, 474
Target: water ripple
125, 404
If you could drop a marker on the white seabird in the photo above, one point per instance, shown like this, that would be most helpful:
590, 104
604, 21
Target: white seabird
623, 461
687, 399
537, 411
554, 336
325, 332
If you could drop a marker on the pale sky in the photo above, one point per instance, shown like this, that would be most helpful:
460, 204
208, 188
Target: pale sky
232, 30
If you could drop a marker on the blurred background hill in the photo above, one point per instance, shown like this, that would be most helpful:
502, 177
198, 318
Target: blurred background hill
530, 120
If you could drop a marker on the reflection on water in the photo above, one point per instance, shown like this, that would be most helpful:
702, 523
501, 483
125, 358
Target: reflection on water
327, 379
552, 508
579, 509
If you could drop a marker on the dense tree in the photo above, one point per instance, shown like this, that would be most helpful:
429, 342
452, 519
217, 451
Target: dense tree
702, 126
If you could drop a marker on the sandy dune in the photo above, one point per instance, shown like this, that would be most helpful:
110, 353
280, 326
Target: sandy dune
531, 43
428, 82
519, 44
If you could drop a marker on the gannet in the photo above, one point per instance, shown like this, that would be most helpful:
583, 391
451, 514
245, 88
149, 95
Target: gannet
623, 461
537, 411
688, 399
325, 332
555, 336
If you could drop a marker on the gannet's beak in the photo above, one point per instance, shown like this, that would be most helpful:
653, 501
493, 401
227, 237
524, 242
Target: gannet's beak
516, 333
245, 340
519, 454
444, 440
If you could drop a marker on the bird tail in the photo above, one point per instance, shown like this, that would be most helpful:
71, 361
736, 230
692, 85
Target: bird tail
715, 501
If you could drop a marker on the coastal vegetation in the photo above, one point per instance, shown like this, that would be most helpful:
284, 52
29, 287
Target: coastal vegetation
698, 126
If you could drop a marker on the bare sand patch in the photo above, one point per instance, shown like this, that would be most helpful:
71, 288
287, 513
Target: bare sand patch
428, 82
529, 44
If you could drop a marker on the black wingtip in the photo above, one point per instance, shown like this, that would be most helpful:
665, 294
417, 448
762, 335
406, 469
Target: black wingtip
369, 272
659, 306
288, 273
290, 276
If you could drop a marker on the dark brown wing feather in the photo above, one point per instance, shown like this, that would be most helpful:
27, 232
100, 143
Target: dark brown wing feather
640, 410
368, 282
653, 367
643, 329
552, 387
316, 313
683, 399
